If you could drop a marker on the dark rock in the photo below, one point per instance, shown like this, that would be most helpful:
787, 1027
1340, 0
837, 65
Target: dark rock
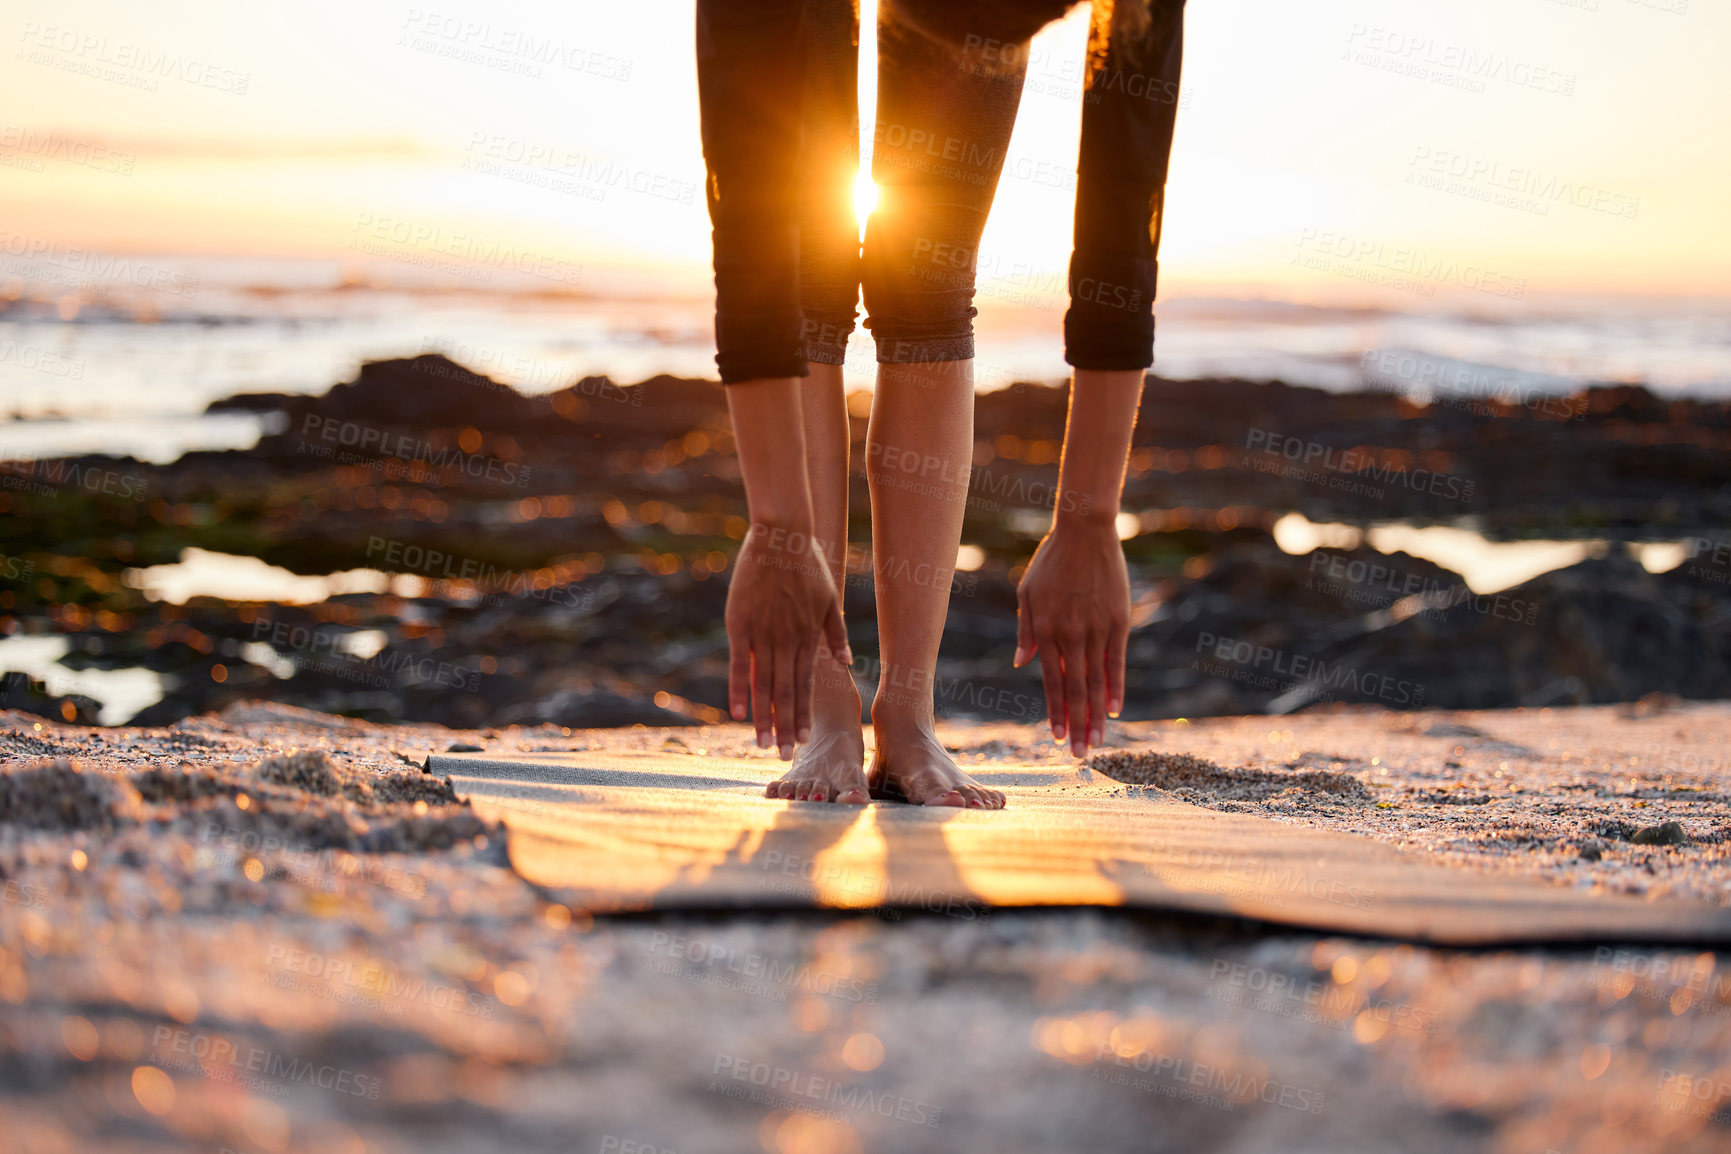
22, 692
1665, 833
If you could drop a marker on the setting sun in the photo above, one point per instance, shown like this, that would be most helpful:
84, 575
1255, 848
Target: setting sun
865, 196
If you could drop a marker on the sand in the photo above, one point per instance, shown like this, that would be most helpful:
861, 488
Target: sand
346, 961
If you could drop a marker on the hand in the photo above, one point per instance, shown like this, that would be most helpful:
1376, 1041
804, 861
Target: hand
1073, 609
781, 610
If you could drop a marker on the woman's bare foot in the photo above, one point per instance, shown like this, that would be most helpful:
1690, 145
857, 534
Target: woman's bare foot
831, 765
910, 758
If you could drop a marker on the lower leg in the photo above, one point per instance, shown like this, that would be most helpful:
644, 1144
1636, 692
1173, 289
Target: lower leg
919, 456
831, 765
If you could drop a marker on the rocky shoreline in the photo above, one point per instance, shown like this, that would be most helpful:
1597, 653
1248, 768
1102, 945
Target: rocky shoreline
569, 553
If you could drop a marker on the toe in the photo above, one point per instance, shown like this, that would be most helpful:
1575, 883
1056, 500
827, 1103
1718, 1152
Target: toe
948, 797
820, 791
853, 797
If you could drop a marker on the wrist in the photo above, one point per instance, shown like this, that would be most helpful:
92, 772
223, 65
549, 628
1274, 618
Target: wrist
1086, 513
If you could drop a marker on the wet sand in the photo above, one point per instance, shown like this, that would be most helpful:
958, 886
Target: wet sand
345, 961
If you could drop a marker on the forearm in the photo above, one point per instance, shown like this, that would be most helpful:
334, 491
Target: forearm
1103, 406
769, 438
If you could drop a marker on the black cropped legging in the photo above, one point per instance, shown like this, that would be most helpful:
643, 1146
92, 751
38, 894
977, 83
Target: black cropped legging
777, 82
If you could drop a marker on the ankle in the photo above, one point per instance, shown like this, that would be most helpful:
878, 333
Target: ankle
901, 721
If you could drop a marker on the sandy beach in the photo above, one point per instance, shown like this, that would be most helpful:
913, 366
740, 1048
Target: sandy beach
269, 930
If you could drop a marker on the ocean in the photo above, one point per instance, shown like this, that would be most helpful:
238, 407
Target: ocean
122, 354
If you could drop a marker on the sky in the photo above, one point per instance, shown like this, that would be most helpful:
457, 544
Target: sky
1491, 151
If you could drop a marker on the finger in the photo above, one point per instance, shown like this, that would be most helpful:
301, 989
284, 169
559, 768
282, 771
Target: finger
1052, 677
803, 660
782, 680
835, 633
760, 694
1117, 641
1096, 677
738, 675
1075, 658
1025, 644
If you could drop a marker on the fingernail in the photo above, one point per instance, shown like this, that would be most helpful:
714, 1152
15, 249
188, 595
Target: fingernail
787, 753
804, 733
763, 741
847, 657
739, 713
1096, 738
1016, 661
